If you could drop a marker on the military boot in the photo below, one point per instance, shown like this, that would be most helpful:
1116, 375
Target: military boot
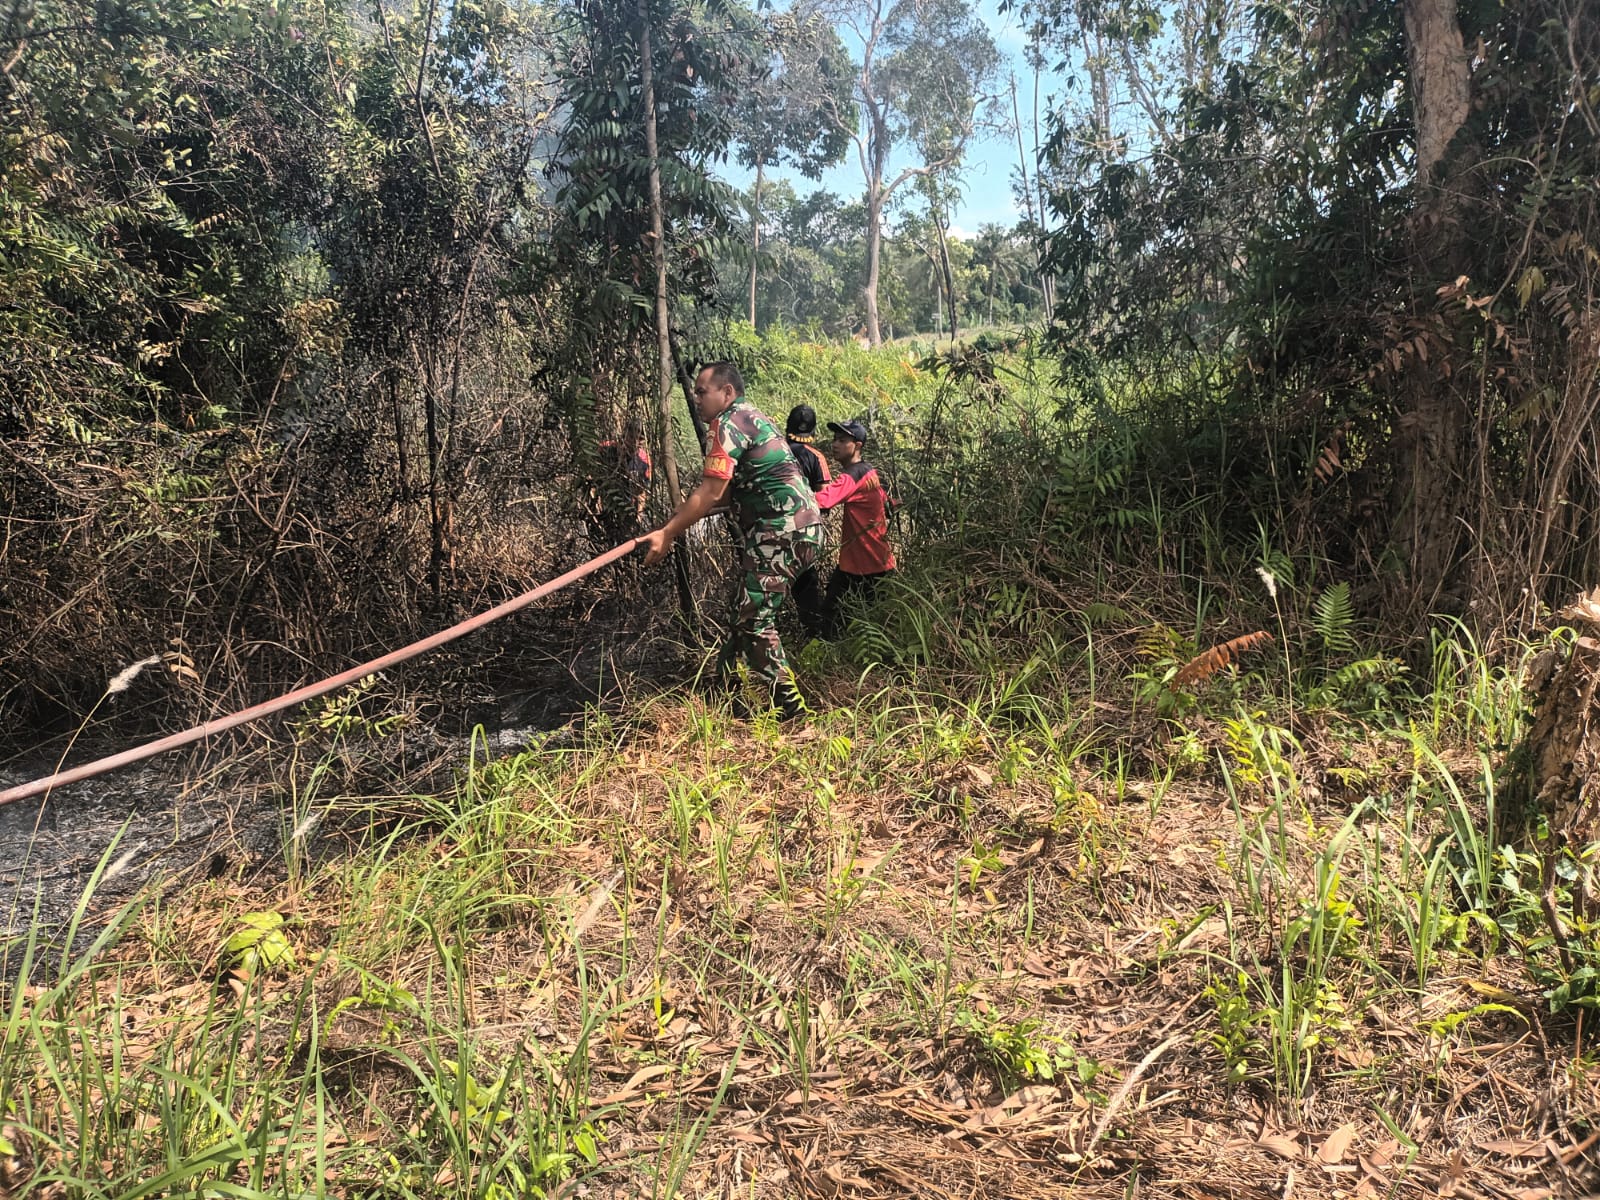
786, 698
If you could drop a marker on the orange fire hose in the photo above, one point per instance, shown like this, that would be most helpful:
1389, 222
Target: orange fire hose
311, 691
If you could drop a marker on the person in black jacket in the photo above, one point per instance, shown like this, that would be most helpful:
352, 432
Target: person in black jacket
800, 432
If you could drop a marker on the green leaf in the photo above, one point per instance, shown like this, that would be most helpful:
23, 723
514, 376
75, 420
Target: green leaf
1333, 614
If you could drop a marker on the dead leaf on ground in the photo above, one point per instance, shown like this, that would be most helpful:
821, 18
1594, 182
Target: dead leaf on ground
1384, 1154
834, 1181
1280, 1144
1514, 1148
1455, 1174
1372, 1168
1337, 1145
640, 1077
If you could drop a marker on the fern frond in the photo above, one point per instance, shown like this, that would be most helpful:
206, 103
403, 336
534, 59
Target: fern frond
1208, 662
871, 643
1368, 670
1158, 641
1101, 613
1333, 615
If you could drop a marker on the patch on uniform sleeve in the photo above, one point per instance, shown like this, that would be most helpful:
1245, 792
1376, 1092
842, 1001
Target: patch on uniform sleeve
718, 464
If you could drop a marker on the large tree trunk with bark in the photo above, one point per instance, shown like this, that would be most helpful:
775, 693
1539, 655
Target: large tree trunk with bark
869, 293
1436, 55
1436, 427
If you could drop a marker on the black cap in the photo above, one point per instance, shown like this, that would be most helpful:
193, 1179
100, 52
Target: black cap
802, 420
854, 430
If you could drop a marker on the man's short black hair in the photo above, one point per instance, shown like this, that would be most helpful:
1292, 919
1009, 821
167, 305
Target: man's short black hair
726, 374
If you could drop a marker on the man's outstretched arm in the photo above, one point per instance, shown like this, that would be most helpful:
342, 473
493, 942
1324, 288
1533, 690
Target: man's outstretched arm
837, 490
706, 497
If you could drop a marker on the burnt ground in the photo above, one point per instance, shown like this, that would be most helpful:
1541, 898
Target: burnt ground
231, 806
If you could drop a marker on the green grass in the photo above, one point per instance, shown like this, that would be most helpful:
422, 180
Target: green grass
953, 915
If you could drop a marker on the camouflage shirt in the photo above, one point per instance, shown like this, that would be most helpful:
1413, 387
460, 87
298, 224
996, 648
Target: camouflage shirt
769, 490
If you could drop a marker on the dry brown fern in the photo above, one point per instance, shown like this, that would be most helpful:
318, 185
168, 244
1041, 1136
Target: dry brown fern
1208, 662
1330, 459
1328, 462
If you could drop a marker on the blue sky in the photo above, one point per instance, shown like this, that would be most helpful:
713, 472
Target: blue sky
991, 162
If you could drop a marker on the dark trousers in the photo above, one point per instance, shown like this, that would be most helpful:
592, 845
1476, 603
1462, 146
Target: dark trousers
822, 614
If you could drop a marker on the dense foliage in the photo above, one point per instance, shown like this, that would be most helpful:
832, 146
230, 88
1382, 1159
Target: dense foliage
1370, 230
1228, 550
247, 251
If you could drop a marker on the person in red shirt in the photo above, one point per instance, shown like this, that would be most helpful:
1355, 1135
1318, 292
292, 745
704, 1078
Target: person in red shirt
865, 556
620, 495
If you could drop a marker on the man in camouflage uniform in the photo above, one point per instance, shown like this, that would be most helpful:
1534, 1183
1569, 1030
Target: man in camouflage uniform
780, 526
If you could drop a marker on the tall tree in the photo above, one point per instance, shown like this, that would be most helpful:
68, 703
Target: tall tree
658, 256
794, 112
658, 252
921, 77
628, 209
1379, 210
1033, 203
938, 194
1438, 424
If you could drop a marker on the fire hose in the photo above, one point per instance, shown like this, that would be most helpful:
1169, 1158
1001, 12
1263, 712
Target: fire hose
312, 690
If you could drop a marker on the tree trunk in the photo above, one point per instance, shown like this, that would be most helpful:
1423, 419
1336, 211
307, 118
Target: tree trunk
755, 240
686, 382
1436, 55
1438, 422
1047, 281
430, 422
402, 456
658, 251
1027, 198
869, 293
664, 368
947, 277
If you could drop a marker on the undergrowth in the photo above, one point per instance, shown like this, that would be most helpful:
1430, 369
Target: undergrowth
1124, 845
1006, 858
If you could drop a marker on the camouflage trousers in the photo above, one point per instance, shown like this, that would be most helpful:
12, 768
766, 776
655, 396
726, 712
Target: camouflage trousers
770, 562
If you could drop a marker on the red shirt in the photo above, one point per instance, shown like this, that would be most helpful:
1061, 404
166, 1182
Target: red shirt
864, 548
637, 468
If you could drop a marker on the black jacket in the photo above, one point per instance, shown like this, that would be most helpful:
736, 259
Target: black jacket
810, 464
